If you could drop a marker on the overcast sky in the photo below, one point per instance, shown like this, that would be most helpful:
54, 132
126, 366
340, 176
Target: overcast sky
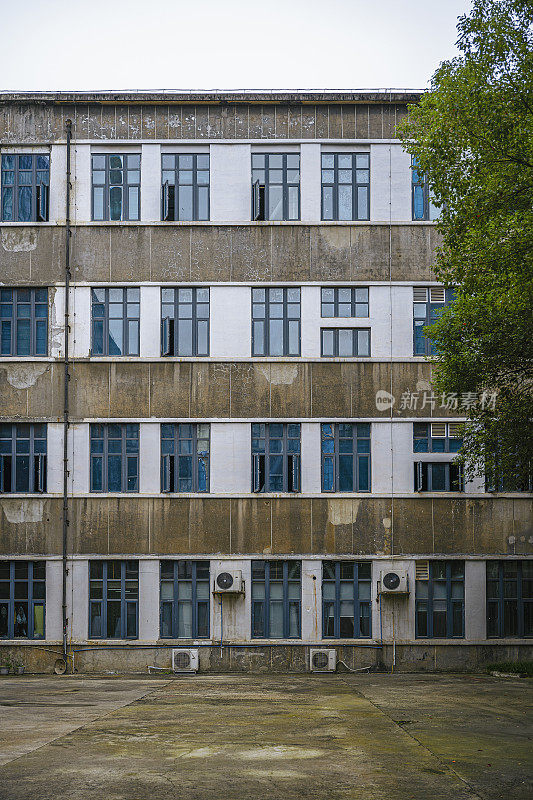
224, 44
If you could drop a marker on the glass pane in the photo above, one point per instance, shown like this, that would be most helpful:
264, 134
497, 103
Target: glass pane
346, 343
115, 203
275, 202
25, 203
276, 337
363, 343
185, 620
345, 202
293, 211
328, 343
113, 620
362, 202
276, 620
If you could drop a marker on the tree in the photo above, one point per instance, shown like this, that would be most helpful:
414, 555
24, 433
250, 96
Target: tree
472, 136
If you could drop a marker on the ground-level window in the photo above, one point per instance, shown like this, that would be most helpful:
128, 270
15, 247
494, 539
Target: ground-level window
184, 599
509, 599
113, 599
440, 601
276, 599
22, 599
346, 599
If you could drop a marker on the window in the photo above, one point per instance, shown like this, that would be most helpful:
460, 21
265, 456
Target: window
428, 305
113, 599
116, 187
509, 599
22, 599
115, 457
276, 186
24, 322
25, 188
438, 476
345, 457
185, 195
23, 457
184, 599
275, 457
440, 601
276, 322
185, 322
345, 185
423, 208
185, 457
345, 342
437, 437
344, 301
115, 322
346, 599
276, 599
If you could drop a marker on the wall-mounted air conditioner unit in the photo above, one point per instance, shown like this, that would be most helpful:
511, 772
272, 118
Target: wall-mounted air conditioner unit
228, 582
394, 582
322, 660
184, 660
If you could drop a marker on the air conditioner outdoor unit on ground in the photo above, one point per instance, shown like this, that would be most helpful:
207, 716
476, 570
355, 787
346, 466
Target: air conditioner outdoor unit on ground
228, 582
184, 660
322, 660
394, 582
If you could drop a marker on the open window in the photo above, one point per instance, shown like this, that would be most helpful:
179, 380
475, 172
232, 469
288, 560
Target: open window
43, 202
258, 201
259, 472
169, 194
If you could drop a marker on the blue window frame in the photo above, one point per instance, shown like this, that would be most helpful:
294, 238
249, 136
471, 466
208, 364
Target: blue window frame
23, 457
345, 186
23, 322
115, 315
346, 599
115, 457
436, 437
275, 457
440, 601
276, 599
275, 186
116, 186
276, 322
345, 457
22, 599
185, 191
185, 592
25, 187
185, 322
345, 342
113, 599
344, 301
509, 599
185, 457
428, 305
422, 205
438, 476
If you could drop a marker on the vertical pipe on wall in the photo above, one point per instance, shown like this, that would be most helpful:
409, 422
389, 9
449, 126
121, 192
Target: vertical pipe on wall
66, 378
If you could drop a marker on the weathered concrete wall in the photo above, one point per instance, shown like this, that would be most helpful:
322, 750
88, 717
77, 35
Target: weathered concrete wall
45, 122
129, 657
260, 251
269, 525
191, 389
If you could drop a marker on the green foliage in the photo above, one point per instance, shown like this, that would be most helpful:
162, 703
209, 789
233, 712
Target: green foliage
516, 667
472, 135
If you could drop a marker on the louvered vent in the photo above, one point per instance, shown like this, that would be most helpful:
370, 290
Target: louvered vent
436, 294
454, 430
438, 430
420, 295
422, 570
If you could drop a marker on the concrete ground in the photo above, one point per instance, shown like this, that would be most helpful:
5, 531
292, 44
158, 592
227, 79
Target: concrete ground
233, 737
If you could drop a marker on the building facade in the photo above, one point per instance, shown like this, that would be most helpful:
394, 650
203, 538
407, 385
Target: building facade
248, 392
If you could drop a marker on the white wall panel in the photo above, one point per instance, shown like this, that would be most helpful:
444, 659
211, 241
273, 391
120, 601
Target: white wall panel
230, 182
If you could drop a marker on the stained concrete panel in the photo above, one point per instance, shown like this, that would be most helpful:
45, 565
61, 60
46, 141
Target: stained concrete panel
251, 525
330, 253
170, 253
129, 389
250, 390
211, 254
170, 386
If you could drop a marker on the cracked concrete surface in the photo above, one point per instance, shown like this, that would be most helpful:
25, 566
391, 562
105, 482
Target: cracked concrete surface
370, 737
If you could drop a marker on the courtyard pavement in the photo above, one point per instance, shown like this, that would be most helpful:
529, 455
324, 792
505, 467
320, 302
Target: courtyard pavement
237, 737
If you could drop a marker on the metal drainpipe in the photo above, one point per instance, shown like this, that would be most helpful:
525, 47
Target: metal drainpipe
65, 401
